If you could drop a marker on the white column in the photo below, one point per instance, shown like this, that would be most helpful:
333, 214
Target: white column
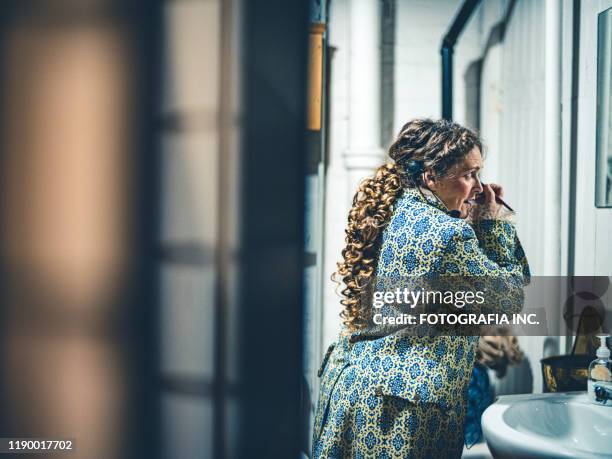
336, 187
364, 152
551, 204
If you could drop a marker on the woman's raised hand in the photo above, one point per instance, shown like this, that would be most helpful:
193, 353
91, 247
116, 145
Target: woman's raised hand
488, 206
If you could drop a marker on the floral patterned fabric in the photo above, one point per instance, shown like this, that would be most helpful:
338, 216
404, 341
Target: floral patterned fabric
405, 396
480, 396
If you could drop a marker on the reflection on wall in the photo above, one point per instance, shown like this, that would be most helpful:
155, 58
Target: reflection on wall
603, 172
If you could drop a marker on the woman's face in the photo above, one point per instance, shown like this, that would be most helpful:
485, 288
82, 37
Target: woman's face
460, 184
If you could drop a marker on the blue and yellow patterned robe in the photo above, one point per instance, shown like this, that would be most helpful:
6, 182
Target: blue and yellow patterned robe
405, 396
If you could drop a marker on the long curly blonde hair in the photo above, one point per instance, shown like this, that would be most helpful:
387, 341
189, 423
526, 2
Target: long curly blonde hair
436, 145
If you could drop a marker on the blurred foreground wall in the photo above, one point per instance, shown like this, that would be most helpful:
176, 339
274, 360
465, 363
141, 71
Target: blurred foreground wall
73, 257
152, 164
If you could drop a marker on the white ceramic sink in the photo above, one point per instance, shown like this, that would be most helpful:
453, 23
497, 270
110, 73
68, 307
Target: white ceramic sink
556, 425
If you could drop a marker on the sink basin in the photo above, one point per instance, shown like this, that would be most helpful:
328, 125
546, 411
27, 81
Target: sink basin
555, 425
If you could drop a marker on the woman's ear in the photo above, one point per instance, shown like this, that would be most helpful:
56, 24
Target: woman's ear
428, 180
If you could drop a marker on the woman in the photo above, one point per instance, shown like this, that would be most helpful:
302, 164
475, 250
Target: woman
397, 395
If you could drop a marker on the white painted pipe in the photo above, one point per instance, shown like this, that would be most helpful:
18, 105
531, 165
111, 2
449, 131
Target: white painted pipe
364, 151
551, 173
